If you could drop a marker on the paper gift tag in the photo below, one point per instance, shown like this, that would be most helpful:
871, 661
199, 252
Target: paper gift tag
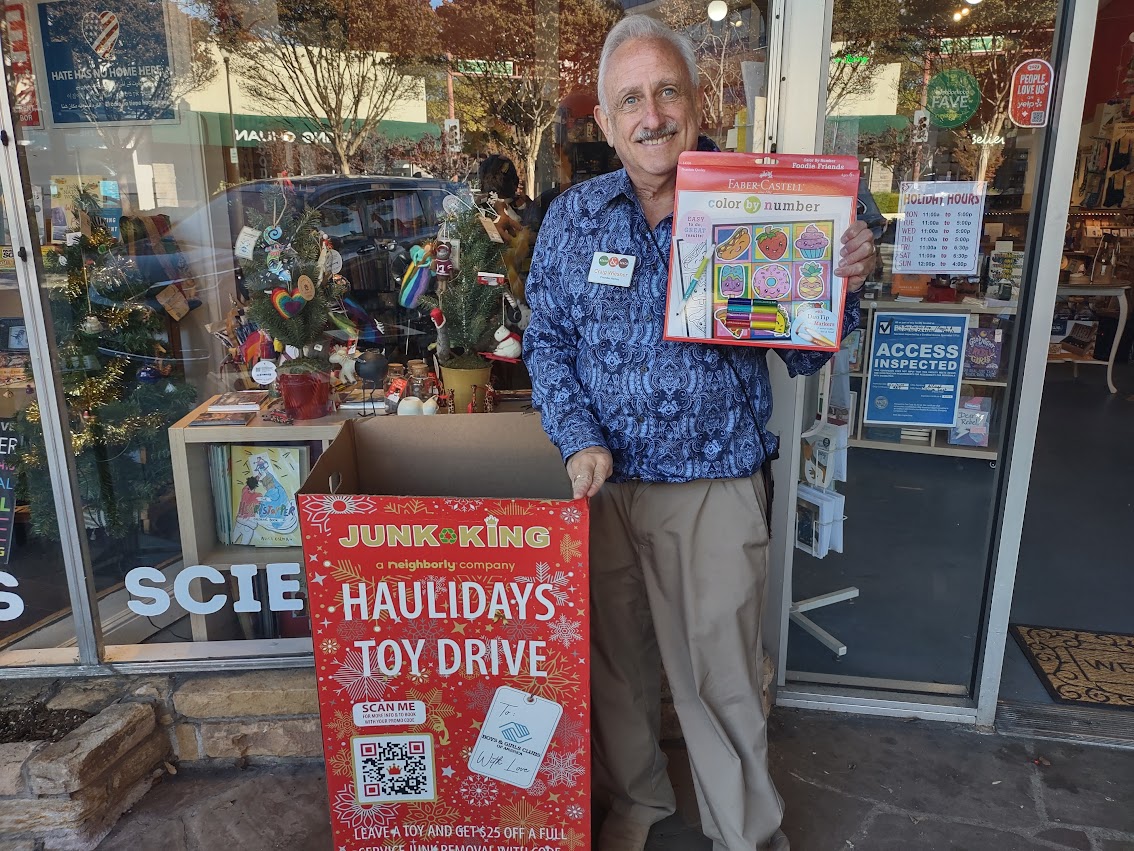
174, 302
246, 242
515, 736
306, 287
491, 229
264, 372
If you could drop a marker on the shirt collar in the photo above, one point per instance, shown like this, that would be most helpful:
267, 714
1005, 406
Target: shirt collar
605, 189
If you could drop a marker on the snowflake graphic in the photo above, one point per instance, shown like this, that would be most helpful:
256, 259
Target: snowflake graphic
575, 811
429, 813
479, 791
329, 646
572, 840
565, 631
570, 549
355, 682
517, 630
571, 514
558, 580
341, 764
562, 770
342, 725
463, 504
571, 734
354, 630
320, 509
538, 788
521, 815
479, 697
362, 815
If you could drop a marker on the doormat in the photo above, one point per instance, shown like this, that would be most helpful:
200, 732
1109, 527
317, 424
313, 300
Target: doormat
1081, 667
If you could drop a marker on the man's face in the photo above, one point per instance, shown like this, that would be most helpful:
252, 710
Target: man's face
654, 109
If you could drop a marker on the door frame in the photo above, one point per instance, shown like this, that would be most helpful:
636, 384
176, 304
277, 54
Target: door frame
801, 82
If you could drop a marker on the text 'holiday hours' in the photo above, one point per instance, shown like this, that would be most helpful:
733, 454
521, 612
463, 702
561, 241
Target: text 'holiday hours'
939, 228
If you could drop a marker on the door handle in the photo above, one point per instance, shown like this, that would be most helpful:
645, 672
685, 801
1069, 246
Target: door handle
367, 249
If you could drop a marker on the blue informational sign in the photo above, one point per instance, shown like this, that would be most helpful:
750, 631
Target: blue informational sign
915, 369
107, 65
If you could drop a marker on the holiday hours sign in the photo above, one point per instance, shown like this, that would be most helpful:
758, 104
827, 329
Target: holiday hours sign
939, 228
452, 657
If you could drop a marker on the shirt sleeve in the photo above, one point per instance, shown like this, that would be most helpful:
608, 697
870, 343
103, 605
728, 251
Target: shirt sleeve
551, 343
804, 362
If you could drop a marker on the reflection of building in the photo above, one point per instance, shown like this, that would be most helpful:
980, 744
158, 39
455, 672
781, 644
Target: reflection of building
862, 101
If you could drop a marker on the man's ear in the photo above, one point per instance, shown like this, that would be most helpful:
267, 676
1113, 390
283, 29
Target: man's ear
604, 124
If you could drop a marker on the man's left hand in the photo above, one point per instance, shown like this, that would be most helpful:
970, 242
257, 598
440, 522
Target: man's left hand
856, 260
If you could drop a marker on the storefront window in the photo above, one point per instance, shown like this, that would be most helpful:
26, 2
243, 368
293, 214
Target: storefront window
35, 606
231, 196
943, 107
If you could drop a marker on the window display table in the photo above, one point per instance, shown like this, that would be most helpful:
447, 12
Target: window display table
1115, 289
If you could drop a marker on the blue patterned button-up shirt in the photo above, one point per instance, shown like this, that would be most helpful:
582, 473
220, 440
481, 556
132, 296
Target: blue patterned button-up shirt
603, 376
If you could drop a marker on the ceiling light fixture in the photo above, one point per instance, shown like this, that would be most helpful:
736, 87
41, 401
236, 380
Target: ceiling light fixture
717, 10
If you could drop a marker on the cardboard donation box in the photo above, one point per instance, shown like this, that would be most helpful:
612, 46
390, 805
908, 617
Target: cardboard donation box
756, 242
447, 572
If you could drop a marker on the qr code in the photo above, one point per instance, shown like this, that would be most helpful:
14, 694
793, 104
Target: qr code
392, 769
1038, 118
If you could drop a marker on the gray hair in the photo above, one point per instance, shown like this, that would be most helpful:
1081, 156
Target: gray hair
644, 27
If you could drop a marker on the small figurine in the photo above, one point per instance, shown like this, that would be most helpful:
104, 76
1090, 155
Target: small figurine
442, 335
471, 409
429, 406
345, 357
508, 345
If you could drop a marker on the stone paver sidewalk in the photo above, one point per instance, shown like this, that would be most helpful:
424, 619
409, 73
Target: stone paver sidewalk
849, 783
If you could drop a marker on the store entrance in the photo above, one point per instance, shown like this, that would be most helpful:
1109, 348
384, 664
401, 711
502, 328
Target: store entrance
1069, 659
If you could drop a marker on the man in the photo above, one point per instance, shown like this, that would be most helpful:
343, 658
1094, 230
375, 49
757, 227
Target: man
668, 439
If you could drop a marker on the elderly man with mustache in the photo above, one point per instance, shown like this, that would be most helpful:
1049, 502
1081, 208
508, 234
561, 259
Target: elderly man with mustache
669, 441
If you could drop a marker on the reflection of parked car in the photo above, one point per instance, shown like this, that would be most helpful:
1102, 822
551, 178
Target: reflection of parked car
371, 221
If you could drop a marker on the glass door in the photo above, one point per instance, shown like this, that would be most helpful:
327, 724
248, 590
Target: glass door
944, 107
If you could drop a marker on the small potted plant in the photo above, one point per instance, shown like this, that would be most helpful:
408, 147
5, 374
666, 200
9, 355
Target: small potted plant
287, 272
467, 312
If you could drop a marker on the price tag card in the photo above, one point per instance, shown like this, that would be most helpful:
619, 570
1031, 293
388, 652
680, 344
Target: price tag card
515, 736
246, 242
264, 372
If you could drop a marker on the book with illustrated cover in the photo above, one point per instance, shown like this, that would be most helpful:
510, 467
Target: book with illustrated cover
240, 400
264, 481
223, 418
807, 526
982, 353
974, 416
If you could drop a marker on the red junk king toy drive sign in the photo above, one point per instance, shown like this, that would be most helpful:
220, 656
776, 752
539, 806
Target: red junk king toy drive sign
452, 659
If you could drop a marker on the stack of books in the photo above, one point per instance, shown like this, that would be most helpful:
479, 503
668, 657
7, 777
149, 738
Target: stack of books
819, 520
236, 408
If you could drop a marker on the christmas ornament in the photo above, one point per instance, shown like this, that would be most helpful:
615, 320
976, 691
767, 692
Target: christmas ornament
336, 261
287, 305
508, 346
91, 325
273, 235
305, 287
345, 357
442, 335
264, 373
62, 260
149, 374
416, 279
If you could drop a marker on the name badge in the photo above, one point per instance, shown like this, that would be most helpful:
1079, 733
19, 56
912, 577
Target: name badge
613, 269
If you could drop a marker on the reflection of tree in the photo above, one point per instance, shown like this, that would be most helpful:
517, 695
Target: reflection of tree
720, 50
344, 64
520, 58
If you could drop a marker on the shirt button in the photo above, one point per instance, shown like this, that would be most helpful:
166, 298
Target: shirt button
643, 369
641, 420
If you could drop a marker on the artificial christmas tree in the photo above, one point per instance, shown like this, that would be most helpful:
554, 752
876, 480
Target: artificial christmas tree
122, 387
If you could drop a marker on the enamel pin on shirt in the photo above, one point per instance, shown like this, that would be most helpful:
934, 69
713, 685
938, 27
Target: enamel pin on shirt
613, 269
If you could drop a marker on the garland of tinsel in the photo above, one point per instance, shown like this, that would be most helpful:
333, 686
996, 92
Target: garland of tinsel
299, 245
472, 311
105, 333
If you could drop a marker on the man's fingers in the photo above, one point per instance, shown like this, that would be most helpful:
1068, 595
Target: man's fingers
581, 485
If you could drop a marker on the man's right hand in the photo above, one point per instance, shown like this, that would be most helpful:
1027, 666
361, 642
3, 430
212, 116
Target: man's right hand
588, 469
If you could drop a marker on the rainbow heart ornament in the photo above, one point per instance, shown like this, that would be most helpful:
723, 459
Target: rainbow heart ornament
286, 304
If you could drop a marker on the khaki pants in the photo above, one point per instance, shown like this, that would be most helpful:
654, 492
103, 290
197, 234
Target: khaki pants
678, 576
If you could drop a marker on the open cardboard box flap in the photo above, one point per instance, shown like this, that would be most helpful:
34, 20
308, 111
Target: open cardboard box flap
501, 456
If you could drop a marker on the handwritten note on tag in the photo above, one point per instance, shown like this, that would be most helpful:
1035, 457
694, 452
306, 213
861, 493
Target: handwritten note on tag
515, 736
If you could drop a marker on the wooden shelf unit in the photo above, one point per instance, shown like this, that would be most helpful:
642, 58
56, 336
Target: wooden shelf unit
939, 437
189, 450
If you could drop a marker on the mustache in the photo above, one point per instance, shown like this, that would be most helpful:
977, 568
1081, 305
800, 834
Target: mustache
667, 129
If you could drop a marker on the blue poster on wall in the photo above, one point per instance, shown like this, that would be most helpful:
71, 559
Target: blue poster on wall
915, 369
108, 63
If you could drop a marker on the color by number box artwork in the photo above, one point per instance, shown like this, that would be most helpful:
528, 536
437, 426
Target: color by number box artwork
755, 249
773, 282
